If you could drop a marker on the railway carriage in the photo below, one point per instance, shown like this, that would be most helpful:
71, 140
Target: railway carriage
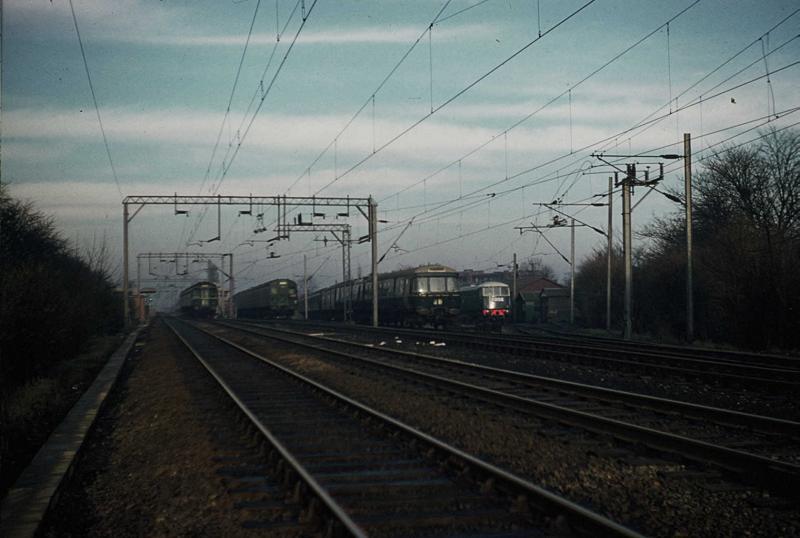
276, 299
199, 300
486, 304
423, 295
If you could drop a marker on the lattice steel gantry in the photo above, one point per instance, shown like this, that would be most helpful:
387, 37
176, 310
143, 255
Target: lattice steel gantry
366, 206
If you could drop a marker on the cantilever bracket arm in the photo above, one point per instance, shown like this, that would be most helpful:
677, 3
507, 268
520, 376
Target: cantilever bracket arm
136, 212
396, 239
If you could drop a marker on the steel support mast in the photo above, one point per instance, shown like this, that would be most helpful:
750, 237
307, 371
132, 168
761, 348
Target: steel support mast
687, 178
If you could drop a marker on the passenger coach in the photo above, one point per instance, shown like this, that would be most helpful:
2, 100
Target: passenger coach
276, 299
199, 300
412, 297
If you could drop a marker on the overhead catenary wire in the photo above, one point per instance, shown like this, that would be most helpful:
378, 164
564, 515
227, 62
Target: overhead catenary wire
422, 217
94, 100
541, 212
519, 219
463, 235
264, 94
227, 163
232, 94
479, 201
371, 98
620, 133
726, 62
701, 100
455, 96
504, 133
556, 98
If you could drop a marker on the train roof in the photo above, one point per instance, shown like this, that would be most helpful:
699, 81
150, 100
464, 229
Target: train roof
475, 287
422, 269
432, 268
487, 284
288, 281
202, 283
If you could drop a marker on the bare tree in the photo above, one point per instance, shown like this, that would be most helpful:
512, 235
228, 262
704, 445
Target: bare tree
747, 243
535, 266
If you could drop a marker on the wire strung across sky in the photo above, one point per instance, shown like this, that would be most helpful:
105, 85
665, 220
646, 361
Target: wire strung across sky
647, 123
371, 98
94, 100
595, 72
552, 101
263, 90
230, 98
452, 98
607, 139
434, 110
420, 218
699, 157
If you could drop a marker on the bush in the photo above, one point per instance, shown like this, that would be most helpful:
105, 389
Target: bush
51, 300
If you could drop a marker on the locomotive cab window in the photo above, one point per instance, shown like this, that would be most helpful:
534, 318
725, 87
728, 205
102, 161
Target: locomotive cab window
435, 284
495, 291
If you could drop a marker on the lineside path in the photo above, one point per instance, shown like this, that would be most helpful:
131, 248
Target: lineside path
165, 458
39, 484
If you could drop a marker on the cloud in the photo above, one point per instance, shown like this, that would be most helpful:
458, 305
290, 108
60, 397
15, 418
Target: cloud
338, 36
96, 18
276, 132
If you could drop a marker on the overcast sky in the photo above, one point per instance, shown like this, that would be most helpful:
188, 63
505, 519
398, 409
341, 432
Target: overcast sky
519, 126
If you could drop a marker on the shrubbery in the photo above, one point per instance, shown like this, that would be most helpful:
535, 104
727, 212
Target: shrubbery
746, 229
51, 300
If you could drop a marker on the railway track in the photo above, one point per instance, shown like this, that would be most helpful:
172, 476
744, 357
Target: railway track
743, 357
757, 449
772, 373
359, 472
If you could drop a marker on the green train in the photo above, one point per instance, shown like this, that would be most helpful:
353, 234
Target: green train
199, 300
410, 297
486, 305
276, 299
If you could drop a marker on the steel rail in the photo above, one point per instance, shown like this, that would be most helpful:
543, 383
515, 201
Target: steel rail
725, 416
724, 355
748, 376
332, 506
540, 498
775, 475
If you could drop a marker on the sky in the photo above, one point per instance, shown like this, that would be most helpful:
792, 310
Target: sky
462, 115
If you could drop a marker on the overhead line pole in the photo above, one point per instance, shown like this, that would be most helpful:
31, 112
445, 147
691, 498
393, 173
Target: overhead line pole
610, 247
305, 287
514, 272
572, 275
626, 247
373, 237
125, 306
571, 261
687, 173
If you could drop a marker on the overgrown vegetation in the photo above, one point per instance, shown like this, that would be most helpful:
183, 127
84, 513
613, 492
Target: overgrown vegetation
746, 230
53, 302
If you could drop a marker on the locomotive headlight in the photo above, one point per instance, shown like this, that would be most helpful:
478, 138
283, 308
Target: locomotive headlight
438, 301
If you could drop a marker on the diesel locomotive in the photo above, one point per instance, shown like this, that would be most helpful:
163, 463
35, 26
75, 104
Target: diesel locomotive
410, 297
276, 299
199, 300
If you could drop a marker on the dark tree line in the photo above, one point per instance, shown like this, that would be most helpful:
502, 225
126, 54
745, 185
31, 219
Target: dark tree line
746, 229
51, 299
